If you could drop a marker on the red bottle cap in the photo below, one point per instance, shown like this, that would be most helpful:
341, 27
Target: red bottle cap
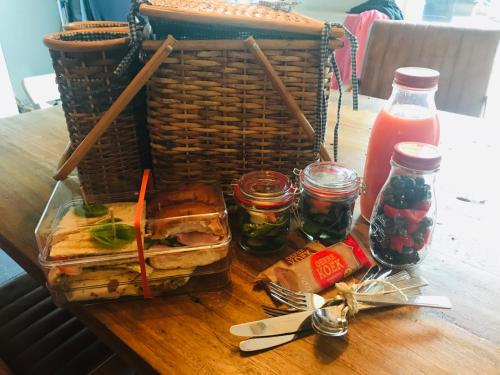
419, 78
415, 155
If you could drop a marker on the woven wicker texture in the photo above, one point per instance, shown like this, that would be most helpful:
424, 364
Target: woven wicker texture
217, 19
213, 115
93, 24
88, 87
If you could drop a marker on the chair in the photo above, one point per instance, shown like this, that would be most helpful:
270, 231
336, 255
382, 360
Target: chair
359, 25
463, 56
37, 337
41, 90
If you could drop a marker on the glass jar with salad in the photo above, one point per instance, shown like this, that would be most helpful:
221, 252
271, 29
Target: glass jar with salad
264, 201
404, 214
328, 194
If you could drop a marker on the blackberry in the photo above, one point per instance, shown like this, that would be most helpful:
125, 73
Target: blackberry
398, 183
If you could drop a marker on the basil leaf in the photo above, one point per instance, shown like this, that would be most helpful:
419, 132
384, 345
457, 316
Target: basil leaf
92, 210
103, 234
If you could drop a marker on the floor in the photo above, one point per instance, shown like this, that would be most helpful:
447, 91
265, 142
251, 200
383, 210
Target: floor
8, 268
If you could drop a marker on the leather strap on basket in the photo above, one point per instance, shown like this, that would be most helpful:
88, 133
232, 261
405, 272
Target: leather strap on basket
321, 113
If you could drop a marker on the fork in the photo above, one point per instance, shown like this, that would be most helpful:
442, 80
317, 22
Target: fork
312, 300
275, 311
299, 301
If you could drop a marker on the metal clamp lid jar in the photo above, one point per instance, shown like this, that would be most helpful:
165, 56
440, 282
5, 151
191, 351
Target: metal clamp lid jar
328, 193
264, 200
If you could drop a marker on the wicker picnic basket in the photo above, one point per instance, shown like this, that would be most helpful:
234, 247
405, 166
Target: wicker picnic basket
79, 25
213, 114
84, 62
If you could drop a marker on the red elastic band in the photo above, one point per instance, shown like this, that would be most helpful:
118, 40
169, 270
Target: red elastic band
138, 233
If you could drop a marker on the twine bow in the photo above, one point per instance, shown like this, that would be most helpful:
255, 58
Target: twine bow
349, 292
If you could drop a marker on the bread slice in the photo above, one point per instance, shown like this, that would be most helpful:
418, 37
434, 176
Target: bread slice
72, 237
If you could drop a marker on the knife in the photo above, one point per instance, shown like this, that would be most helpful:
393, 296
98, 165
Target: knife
259, 343
272, 326
293, 322
440, 302
278, 325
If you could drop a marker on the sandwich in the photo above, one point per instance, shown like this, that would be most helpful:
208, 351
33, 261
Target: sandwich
185, 229
115, 281
87, 231
185, 219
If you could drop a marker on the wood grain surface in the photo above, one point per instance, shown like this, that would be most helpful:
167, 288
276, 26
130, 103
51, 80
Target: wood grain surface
190, 334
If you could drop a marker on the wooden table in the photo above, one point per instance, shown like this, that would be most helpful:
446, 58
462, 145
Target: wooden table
190, 334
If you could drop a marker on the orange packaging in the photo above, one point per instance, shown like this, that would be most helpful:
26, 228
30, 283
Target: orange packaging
316, 267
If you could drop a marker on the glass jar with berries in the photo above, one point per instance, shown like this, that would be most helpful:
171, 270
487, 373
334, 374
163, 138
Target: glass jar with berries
328, 192
404, 214
264, 201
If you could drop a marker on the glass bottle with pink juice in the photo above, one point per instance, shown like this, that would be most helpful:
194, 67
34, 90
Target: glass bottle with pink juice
409, 116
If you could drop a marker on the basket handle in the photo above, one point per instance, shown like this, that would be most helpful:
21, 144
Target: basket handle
116, 108
290, 102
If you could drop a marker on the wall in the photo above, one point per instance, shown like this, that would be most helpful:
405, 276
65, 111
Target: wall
327, 10
8, 105
23, 25
334, 10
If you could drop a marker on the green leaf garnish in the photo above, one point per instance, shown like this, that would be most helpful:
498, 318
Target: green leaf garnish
148, 242
103, 234
91, 210
258, 230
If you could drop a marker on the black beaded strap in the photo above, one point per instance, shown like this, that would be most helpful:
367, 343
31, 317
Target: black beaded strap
136, 25
321, 114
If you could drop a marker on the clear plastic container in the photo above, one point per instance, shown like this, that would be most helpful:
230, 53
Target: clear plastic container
264, 209
409, 116
404, 215
86, 259
327, 197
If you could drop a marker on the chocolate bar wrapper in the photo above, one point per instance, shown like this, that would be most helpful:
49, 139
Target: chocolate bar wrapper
316, 267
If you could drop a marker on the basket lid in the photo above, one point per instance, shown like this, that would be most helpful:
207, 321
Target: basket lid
223, 13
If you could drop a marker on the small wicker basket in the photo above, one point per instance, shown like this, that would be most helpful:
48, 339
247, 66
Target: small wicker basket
213, 114
84, 61
93, 24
